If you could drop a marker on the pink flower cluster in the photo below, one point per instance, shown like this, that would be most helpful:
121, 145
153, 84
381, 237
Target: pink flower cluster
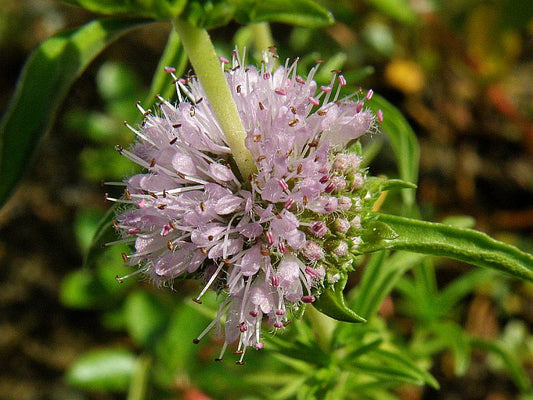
270, 241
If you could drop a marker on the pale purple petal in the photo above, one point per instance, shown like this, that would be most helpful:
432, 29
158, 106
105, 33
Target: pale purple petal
251, 262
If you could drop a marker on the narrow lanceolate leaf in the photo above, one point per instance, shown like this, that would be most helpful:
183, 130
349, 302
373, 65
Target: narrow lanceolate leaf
42, 86
466, 245
332, 303
403, 141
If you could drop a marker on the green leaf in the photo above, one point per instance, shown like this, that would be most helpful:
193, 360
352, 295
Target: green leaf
140, 380
405, 364
85, 225
158, 9
173, 56
81, 289
459, 342
509, 358
379, 278
375, 186
175, 351
461, 244
104, 234
403, 141
381, 185
305, 13
331, 302
461, 287
400, 10
42, 86
109, 370
146, 317
209, 14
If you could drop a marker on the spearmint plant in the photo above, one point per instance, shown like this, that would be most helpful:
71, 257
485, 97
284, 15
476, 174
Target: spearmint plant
254, 184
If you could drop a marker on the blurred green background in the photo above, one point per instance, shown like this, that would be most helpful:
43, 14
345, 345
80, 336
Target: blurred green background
460, 71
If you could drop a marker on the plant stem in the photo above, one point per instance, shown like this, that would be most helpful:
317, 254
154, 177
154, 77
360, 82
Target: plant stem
139, 381
206, 64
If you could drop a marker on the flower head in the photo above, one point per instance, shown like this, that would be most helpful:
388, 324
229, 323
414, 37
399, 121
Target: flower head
269, 241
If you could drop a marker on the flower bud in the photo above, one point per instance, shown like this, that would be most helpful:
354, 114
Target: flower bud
357, 182
312, 251
344, 203
341, 225
318, 229
341, 250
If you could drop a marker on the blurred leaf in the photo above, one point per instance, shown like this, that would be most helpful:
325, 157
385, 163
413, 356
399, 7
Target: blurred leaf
146, 317
81, 289
109, 370
509, 358
139, 383
95, 288
515, 14
209, 14
403, 141
406, 365
461, 244
385, 372
173, 56
158, 9
334, 62
379, 278
355, 76
98, 127
455, 337
380, 36
458, 289
99, 164
400, 10
331, 302
116, 81
305, 13
42, 86
104, 233
175, 350
85, 225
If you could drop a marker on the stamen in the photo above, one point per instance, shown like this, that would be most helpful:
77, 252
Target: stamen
313, 101
120, 279
210, 282
121, 241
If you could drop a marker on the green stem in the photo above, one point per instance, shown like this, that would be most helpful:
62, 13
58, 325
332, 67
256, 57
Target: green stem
199, 48
139, 381
262, 36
